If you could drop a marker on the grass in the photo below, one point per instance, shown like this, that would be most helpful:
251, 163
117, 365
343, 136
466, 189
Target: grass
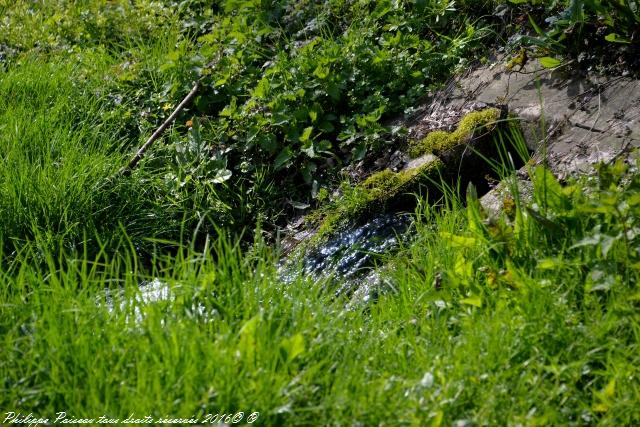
499, 335
530, 318
59, 182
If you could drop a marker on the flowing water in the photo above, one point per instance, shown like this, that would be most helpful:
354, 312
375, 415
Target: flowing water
349, 258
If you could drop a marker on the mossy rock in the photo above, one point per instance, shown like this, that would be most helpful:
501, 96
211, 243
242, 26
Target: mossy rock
381, 192
440, 142
448, 157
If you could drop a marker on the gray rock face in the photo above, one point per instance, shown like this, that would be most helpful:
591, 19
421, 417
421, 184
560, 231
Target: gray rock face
570, 122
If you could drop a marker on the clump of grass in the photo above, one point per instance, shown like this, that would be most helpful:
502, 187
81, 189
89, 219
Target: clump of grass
60, 184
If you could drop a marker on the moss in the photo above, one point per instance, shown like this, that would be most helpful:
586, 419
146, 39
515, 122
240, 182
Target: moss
439, 141
374, 193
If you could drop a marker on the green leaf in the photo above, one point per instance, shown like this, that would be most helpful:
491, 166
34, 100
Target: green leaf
616, 38
359, 152
599, 281
309, 150
436, 421
324, 146
462, 267
536, 27
549, 62
262, 90
459, 241
230, 109
306, 134
473, 300
282, 158
549, 264
308, 171
293, 347
326, 126
382, 8
610, 390
167, 66
547, 190
247, 338
544, 221
321, 72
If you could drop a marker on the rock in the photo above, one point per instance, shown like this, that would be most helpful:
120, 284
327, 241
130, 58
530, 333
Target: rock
569, 123
502, 197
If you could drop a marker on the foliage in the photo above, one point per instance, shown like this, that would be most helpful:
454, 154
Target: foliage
531, 320
292, 91
577, 25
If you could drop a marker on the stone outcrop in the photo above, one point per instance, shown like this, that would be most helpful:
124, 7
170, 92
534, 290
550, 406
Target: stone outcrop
569, 123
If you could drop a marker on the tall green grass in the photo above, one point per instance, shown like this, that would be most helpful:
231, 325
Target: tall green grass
520, 327
527, 318
61, 154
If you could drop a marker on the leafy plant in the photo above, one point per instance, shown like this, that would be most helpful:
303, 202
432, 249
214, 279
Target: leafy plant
582, 23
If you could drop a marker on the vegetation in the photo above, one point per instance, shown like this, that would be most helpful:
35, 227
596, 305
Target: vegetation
373, 194
437, 142
510, 322
529, 318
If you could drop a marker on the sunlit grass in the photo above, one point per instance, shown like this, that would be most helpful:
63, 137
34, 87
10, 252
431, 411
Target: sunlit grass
535, 348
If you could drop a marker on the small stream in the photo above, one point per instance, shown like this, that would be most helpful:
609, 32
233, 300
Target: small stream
349, 259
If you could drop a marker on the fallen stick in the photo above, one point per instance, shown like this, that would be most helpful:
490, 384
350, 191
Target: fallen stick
134, 161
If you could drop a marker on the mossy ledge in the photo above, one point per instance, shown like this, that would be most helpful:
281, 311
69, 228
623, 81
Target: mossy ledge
378, 192
438, 142
438, 157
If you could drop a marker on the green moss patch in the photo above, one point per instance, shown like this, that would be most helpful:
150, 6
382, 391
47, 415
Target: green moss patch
440, 141
376, 192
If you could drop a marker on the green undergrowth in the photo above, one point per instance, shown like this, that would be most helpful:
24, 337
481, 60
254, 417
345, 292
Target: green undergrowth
557, 33
62, 147
291, 92
529, 319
